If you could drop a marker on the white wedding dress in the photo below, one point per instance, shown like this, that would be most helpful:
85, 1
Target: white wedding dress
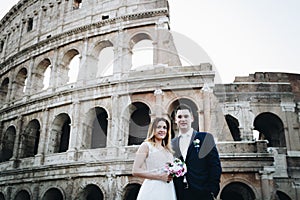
157, 189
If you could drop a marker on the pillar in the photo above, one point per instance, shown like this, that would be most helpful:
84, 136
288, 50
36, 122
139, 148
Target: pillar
206, 108
267, 183
158, 109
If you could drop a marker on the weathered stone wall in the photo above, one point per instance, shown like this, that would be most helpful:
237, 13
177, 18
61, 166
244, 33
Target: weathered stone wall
71, 140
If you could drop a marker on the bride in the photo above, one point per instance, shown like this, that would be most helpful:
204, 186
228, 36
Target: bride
150, 161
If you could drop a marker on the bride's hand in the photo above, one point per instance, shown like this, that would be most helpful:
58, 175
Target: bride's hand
166, 177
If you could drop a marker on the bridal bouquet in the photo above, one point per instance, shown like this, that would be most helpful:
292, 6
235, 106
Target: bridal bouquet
176, 168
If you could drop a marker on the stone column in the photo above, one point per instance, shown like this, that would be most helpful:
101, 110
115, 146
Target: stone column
9, 94
28, 90
292, 142
74, 131
54, 77
39, 158
158, 110
123, 55
298, 108
206, 107
121, 117
245, 118
16, 150
6, 40
165, 52
111, 185
88, 64
267, 183
114, 134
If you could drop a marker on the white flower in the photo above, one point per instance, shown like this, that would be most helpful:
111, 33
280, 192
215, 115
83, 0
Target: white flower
196, 143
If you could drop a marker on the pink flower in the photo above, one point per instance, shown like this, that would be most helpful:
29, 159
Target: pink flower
176, 168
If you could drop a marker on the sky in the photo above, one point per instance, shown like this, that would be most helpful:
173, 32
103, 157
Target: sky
241, 37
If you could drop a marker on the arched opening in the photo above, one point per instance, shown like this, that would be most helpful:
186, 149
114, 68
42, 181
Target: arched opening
30, 139
195, 124
91, 192
7, 145
41, 77
77, 4
47, 75
101, 61
270, 128
99, 132
74, 69
282, 196
60, 134
237, 191
4, 90
20, 83
2, 196
52, 194
142, 55
69, 67
22, 195
105, 62
131, 191
233, 125
138, 123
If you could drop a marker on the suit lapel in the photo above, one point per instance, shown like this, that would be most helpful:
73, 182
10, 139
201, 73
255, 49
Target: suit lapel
177, 148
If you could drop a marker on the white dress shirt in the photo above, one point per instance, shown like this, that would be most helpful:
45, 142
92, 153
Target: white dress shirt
184, 142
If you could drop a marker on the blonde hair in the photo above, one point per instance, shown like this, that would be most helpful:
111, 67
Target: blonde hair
166, 142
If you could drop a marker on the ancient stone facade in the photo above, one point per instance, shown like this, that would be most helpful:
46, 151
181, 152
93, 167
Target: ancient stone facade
72, 133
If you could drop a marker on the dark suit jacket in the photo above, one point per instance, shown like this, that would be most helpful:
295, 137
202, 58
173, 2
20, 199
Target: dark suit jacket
203, 165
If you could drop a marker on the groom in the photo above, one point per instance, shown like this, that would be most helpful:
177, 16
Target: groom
201, 156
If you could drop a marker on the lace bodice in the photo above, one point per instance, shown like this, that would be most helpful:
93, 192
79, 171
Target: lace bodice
157, 158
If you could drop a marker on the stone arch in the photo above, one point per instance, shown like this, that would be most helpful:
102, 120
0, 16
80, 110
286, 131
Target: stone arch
30, 139
60, 134
102, 58
138, 123
134, 40
63, 76
271, 128
92, 67
40, 79
96, 119
139, 37
282, 196
237, 191
90, 192
171, 112
23, 195
2, 197
20, 83
99, 128
4, 90
7, 144
53, 193
233, 125
131, 191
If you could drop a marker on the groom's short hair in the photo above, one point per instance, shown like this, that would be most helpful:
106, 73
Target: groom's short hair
183, 107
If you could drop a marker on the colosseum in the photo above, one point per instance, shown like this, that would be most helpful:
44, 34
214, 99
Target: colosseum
74, 107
